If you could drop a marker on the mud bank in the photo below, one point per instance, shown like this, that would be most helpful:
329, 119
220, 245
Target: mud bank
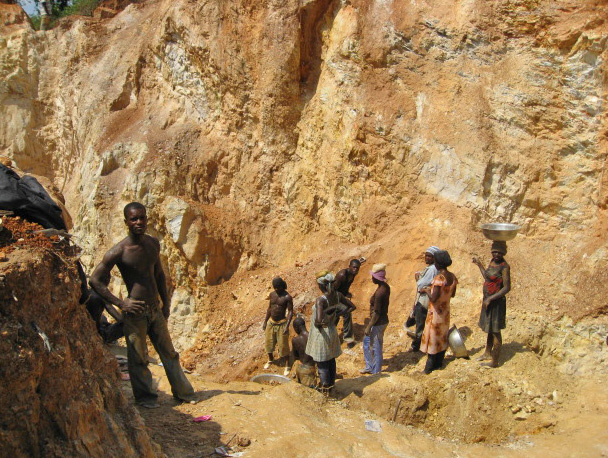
61, 398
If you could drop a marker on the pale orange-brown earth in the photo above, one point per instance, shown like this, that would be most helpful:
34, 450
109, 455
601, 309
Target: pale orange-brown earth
283, 138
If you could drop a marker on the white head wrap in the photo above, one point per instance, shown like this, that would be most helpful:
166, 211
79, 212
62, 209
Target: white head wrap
432, 250
326, 279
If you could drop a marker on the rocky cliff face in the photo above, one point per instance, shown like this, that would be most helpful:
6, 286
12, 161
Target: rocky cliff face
262, 133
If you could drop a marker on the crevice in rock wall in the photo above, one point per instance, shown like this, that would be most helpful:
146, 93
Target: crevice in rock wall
223, 258
130, 89
315, 16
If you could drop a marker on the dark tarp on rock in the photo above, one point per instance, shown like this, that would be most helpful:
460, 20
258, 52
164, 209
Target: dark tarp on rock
28, 199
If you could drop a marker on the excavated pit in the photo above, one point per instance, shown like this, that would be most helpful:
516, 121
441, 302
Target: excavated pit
271, 138
533, 391
539, 375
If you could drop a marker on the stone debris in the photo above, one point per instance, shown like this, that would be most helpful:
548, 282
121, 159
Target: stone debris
243, 441
521, 415
373, 425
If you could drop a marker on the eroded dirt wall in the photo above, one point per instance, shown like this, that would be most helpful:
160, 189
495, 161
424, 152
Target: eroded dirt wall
65, 399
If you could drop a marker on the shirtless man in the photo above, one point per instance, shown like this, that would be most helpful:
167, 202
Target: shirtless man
306, 371
344, 279
137, 259
277, 334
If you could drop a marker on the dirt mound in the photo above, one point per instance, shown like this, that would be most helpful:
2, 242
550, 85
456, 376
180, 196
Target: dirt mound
463, 402
18, 232
61, 395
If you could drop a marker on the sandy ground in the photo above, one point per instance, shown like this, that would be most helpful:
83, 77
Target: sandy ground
463, 404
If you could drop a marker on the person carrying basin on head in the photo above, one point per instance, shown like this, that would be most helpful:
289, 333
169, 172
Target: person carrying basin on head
435, 336
323, 341
497, 283
137, 257
278, 315
424, 279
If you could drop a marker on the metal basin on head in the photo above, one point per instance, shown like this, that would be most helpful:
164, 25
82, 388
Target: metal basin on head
501, 232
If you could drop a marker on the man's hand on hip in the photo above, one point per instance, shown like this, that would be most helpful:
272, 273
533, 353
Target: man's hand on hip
132, 306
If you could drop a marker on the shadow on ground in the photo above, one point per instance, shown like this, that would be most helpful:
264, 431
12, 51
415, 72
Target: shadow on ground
359, 330
177, 432
204, 395
509, 350
346, 387
400, 360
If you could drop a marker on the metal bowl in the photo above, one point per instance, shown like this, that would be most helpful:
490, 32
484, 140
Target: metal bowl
456, 342
501, 232
270, 378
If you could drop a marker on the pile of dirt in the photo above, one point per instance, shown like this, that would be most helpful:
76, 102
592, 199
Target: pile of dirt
17, 232
61, 392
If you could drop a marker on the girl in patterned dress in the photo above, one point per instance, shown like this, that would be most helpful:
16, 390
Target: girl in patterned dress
442, 289
323, 342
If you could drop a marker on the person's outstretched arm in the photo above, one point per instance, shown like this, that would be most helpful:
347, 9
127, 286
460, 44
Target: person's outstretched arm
478, 263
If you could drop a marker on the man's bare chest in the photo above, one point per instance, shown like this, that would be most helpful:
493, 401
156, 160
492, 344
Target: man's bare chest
138, 259
280, 303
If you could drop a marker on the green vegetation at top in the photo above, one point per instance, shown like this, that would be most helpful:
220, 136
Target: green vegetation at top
64, 8
80, 7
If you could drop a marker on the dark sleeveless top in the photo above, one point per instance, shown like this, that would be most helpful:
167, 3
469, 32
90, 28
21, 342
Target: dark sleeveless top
493, 318
494, 282
345, 285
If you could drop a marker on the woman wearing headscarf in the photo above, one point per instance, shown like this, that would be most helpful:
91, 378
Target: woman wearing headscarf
496, 285
323, 341
421, 305
435, 336
378, 321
